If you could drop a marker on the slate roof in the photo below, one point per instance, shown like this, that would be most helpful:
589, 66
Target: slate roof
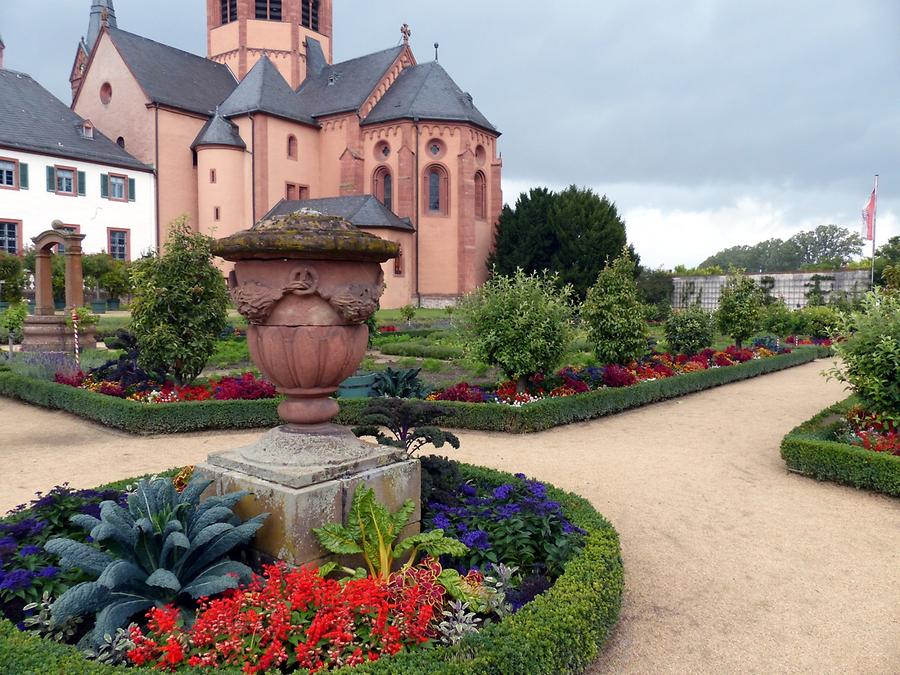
34, 120
263, 89
344, 87
174, 77
96, 22
315, 58
361, 211
428, 92
219, 131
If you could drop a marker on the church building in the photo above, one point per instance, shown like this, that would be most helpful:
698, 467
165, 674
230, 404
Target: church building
268, 123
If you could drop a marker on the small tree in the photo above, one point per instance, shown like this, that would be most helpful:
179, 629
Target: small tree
12, 277
12, 321
740, 307
408, 312
519, 323
180, 305
615, 316
690, 331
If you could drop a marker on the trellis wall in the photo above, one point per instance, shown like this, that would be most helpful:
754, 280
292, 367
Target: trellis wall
792, 287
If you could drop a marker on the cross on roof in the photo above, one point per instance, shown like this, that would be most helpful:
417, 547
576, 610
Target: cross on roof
406, 32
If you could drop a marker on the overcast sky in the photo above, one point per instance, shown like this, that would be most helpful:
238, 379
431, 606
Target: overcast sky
709, 123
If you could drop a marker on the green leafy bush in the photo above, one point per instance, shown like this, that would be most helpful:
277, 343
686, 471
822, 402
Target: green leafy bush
180, 305
870, 354
817, 321
12, 320
740, 307
690, 331
813, 450
778, 320
163, 548
520, 323
615, 315
12, 275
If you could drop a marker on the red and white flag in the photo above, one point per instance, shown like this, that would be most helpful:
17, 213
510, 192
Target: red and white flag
868, 213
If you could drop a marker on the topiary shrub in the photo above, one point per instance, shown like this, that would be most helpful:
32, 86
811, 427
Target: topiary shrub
615, 316
740, 307
778, 320
870, 354
818, 322
690, 331
520, 323
180, 305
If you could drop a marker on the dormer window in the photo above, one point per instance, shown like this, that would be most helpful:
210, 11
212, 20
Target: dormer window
87, 130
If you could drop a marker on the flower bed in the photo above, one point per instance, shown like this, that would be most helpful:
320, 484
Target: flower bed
546, 413
573, 381
841, 445
561, 630
244, 388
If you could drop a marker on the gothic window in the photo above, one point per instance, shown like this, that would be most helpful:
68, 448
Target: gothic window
480, 196
384, 187
437, 187
268, 9
292, 147
309, 16
229, 11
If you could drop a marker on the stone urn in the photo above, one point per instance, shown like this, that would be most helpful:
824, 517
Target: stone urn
306, 283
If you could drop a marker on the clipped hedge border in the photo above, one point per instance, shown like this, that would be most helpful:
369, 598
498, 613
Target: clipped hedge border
171, 418
811, 450
560, 631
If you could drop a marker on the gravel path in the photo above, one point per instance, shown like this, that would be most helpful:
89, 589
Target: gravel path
732, 564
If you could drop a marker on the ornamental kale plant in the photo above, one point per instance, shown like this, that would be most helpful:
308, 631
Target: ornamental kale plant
514, 523
125, 370
28, 571
410, 422
164, 548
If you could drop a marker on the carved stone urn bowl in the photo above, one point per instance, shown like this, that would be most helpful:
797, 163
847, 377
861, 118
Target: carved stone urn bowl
306, 283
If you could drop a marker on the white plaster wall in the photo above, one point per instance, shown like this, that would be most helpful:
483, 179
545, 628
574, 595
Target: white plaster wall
37, 208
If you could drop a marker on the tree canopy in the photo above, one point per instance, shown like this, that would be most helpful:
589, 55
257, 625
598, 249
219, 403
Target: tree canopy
830, 245
573, 233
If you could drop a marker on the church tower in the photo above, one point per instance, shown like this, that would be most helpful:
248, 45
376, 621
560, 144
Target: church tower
239, 32
102, 14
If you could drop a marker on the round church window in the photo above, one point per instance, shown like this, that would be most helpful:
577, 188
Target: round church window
382, 151
436, 148
106, 93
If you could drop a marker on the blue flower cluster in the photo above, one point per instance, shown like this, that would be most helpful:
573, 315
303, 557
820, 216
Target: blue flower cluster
513, 523
26, 569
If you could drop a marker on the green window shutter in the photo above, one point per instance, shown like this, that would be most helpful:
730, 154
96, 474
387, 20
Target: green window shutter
104, 185
82, 179
131, 188
23, 176
51, 179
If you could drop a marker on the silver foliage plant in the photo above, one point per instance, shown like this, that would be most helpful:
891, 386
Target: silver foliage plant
164, 548
499, 583
43, 623
113, 650
458, 623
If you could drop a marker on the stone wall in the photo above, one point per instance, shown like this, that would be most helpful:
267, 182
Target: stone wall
792, 287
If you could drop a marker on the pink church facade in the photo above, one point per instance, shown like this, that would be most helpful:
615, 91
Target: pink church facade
269, 121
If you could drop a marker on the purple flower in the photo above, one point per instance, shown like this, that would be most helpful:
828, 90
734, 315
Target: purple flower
539, 490
16, 580
441, 522
26, 551
8, 546
520, 476
468, 490
509, 510
477, 539
503, 492
48, 572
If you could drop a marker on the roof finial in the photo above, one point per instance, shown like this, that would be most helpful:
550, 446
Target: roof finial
436, 47
104, 17
406, 32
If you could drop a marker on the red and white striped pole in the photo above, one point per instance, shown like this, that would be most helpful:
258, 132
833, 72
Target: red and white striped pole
77, 348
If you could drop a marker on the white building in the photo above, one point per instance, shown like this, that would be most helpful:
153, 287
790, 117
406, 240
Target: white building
55, 166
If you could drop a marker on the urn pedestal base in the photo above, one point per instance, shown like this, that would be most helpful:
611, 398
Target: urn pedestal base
305, 478
51, 333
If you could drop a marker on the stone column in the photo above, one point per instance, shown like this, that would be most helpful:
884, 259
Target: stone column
43, 284
74, 278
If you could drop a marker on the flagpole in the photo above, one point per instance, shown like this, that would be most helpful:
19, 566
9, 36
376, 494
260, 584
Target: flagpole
874, 218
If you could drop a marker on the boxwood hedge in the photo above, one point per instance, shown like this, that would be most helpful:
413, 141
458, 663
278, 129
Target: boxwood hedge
561, 631
812, 450
141, 418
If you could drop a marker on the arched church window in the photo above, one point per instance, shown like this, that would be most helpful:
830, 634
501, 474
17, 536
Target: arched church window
269, 10
437, 187
480, 196
229, 10
292, 147
309, 14
384, 187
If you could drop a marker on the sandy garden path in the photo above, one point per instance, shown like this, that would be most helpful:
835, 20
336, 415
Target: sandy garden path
732, 564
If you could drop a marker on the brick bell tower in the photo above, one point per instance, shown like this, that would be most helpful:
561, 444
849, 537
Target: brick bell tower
239, 32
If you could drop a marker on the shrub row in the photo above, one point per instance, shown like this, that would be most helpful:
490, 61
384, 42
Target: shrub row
811, 450
561, 631
422, 351
170, 418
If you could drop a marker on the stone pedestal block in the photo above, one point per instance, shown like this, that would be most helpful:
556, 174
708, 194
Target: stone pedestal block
306, 480
52, 334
